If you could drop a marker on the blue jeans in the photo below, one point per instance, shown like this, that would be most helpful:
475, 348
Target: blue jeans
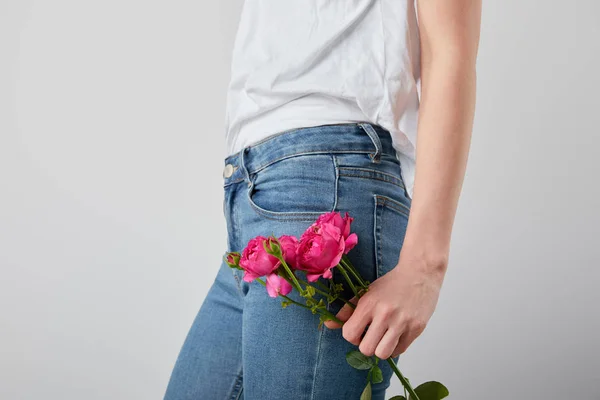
243, 344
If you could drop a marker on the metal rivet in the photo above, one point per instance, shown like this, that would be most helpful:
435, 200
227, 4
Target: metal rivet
228, 171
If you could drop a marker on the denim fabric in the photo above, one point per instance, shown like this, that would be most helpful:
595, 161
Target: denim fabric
243, 344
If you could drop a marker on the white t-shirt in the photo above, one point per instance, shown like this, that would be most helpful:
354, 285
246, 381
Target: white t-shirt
300, 63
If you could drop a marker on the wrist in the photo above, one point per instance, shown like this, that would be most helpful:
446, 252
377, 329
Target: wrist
429, 261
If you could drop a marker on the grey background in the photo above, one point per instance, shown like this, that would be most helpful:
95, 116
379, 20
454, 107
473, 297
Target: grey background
111, 225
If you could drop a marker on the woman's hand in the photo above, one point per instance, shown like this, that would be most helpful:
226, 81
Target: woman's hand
396, 308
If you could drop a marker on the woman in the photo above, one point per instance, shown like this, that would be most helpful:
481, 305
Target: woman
322, 115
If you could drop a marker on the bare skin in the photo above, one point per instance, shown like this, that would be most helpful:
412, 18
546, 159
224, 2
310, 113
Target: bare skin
399, 305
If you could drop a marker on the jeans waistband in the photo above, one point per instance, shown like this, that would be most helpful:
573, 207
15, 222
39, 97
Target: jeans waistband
360, 137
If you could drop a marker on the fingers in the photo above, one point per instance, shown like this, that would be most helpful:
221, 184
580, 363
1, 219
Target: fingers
381, 339
387, 344
408, 337
372, 338
346, 311
354, 328
332, 324
343, 315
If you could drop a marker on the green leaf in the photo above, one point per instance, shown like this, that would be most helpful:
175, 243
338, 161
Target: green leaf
398, 398
377, 375
431, 391
358, 360
366, 394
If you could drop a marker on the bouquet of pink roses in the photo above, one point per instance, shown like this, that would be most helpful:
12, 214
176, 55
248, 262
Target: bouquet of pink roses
323, 246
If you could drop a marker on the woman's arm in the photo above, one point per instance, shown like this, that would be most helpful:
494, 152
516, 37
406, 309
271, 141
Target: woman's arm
399, 304
449, 39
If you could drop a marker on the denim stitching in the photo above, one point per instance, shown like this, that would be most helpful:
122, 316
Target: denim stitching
377, 233
373, 175
237, 389
396, 205
368, 128
291, 215
317, 359
244, 167
261, 167
237, 279
337, 178
232, 182
240, 394
370, 170
381, 202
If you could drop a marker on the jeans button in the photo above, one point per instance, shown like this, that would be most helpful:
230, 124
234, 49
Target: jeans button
228, 171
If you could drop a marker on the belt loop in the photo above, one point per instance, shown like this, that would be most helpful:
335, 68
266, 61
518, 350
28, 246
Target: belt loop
243, 165
367, 127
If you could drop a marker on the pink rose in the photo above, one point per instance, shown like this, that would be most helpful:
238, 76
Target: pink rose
320, 248
288, 249
343, 224
255, 261
277, 285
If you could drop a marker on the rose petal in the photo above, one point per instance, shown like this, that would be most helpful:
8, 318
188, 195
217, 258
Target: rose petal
249, 276
277, 285
286, 287
351, 241
312, 277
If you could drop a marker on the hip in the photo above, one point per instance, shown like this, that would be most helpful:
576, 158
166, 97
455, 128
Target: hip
281, 184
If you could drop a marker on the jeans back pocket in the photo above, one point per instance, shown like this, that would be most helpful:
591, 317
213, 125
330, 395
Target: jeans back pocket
391, 220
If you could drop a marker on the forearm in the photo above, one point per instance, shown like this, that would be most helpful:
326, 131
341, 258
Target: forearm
444, 135
449, 32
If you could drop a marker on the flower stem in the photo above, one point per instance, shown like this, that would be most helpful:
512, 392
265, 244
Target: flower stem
320, 311
284, 296
333, 317
351, 305
321, 291
318, 282
403, 380
343, 271
289, 271
308, 283
346, 262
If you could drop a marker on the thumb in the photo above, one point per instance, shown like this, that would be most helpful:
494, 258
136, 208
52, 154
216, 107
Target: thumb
343, 315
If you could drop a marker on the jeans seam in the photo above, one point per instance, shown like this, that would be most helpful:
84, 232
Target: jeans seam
232, 182
304, 153
337, 178
284, 215
317, 360
377, 232
379, 178
237, 389
388, 202
237, 281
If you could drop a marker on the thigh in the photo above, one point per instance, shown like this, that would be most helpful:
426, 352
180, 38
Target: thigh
209, 365
285, 354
